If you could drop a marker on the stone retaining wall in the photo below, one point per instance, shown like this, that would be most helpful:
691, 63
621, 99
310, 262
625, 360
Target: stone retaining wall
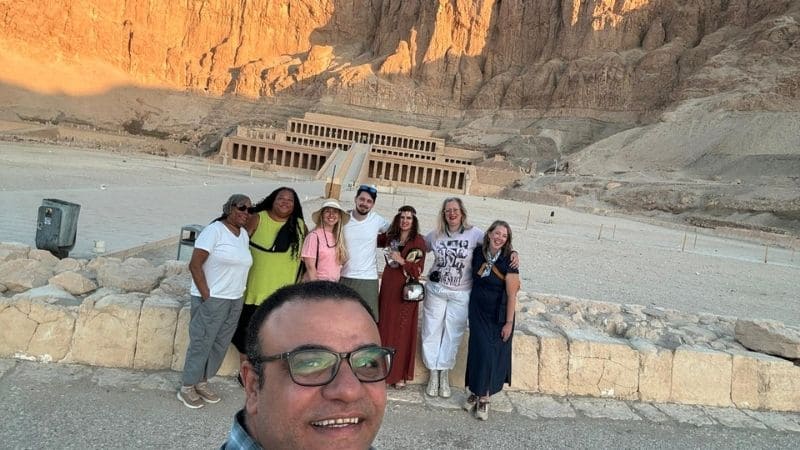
115, 313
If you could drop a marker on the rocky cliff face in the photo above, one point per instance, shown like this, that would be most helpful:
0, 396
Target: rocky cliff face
695, 97
423, 56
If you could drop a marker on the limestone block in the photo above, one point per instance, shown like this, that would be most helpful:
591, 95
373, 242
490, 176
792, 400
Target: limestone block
13, 250
768, 336
553, 361
132, 275
524, 362
16, 328
230, 365
68, 264
460, 369
764, 382
105, 333
421, 372
181, 338
602, 366
19, 275
156, 335
655, 371
73, 283
53, 335
43, 256
701, 377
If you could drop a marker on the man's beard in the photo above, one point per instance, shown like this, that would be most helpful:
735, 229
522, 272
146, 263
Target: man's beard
362, 210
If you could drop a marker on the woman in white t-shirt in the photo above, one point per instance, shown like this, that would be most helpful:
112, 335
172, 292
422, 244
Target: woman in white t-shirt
219, 265
446, 304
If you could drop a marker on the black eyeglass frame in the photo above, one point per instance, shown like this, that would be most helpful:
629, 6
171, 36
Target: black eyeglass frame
242, 208
340, 356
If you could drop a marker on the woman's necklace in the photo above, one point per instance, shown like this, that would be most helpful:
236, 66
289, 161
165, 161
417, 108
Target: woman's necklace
326, 239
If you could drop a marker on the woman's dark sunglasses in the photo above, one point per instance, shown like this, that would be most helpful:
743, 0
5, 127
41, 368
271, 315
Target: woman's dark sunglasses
319, 366
242, 208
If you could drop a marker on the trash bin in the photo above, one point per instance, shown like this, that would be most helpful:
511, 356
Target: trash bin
189, 234
57, 226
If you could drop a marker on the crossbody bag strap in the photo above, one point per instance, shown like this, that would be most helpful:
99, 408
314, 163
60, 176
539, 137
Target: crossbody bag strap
259, 247
499, 274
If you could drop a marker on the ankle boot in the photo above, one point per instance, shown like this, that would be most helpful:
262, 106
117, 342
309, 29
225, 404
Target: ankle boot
444, 383
433, 384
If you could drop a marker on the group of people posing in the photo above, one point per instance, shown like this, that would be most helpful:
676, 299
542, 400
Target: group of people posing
251, 251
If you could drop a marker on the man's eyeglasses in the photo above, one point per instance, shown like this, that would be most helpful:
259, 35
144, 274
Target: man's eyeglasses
242, 207
318, 366
368, 188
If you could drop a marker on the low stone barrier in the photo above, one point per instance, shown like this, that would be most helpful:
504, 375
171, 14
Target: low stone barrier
128, 313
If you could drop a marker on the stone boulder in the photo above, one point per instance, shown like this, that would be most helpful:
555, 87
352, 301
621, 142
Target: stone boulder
131, 275
68, 264
50, 294
106, 330
175, 286
43, 256
769, 337
19, 275
174, 267
73, 282
13, 250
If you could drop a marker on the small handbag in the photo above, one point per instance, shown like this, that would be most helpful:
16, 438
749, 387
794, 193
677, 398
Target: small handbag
413, 291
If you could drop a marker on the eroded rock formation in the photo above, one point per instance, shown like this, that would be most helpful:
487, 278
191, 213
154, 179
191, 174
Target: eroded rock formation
418, 55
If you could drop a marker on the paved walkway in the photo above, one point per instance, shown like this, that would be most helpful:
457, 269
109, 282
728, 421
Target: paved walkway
72, 406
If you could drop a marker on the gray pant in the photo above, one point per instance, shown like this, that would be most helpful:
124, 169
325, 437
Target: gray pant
211, 327
368, 289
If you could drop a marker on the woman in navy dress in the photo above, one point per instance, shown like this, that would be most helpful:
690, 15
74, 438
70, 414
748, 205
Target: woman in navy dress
491, 318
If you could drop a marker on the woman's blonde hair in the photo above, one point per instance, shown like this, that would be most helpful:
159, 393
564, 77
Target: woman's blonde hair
338, 233
441, 222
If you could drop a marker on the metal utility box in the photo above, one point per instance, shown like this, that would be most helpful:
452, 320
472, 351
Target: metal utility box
57, 226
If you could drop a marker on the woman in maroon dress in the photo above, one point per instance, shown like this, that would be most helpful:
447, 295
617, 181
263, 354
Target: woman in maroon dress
405, 257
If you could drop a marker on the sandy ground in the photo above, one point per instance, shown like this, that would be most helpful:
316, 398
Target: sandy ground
130, 199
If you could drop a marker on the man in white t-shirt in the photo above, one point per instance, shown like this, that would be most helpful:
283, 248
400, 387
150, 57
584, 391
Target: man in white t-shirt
360, 272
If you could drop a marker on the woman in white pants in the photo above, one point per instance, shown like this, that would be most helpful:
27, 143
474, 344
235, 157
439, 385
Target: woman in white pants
446, 305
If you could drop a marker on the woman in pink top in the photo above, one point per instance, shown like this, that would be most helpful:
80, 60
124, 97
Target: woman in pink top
324, 251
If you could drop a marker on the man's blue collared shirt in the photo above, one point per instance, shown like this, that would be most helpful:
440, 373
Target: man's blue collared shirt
238, 439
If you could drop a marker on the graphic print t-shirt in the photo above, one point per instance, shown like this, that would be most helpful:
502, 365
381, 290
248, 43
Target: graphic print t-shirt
453, 255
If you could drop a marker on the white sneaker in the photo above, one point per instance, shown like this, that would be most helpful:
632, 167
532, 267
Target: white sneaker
433, 384
444, 383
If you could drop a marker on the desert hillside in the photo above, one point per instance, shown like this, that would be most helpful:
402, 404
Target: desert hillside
680, 108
